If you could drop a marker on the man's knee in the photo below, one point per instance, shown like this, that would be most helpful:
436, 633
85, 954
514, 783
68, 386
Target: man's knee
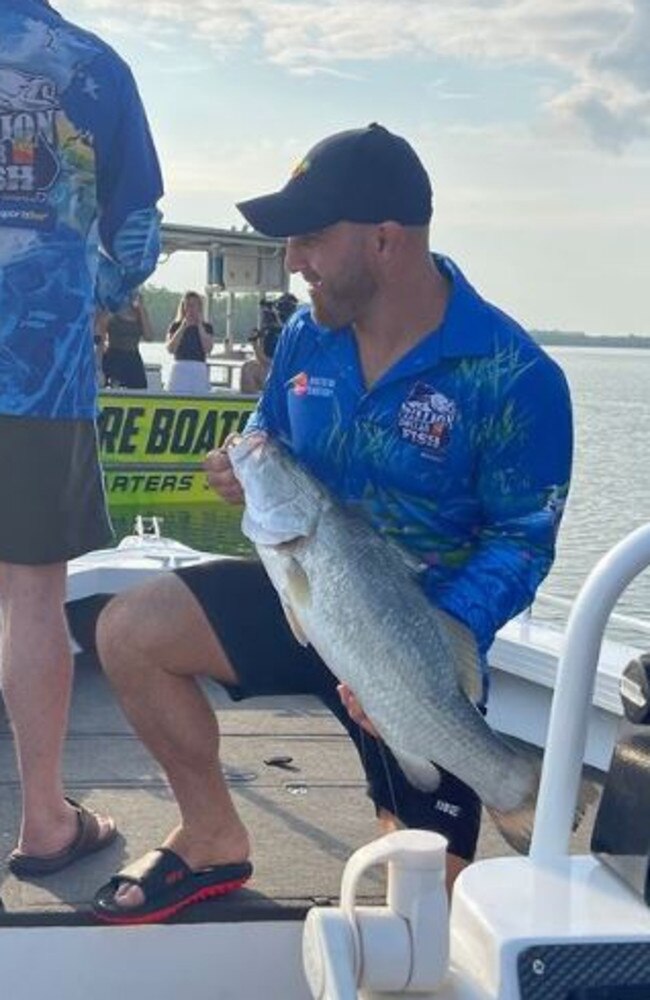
124, 636
156, 627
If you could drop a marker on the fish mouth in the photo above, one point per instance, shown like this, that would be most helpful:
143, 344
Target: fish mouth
242, 445
279, 538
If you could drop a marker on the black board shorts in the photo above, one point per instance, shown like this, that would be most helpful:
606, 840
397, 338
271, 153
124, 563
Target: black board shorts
245, 614
52, 503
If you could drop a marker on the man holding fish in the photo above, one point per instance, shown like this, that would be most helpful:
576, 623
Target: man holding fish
403, 486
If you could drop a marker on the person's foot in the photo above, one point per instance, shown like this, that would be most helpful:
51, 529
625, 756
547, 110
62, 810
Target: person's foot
91, 833
232, 847
54, 835
168, 885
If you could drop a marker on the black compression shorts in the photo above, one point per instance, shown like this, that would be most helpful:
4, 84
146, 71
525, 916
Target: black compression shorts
245, 613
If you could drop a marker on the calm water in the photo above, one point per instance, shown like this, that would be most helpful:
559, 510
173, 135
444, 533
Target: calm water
610, 495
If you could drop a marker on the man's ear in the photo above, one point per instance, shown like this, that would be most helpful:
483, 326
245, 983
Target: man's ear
388, 238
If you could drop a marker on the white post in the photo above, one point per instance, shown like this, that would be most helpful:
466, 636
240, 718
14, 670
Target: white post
574, 691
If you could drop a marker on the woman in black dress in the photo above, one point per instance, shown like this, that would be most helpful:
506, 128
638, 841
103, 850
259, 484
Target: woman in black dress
120, 333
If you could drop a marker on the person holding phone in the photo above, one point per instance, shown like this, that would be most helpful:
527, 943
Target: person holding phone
189, 340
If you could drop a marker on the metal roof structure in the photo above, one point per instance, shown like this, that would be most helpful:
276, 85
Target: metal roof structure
207, 238
237, 260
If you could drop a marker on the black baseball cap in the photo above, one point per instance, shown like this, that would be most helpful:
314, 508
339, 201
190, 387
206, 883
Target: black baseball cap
366, 175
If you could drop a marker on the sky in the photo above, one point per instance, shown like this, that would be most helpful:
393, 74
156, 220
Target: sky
531, 116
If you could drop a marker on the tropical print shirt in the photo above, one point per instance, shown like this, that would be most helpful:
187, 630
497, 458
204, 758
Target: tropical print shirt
79, 182
461, 452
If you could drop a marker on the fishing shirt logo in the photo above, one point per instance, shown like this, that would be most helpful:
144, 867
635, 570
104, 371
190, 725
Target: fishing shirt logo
29, 164
426, 418
303, 384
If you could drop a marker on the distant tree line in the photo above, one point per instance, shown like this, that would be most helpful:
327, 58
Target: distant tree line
562, 338
162, 303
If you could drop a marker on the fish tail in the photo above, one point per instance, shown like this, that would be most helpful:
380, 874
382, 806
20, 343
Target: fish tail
515, 822
587, 795
516, 826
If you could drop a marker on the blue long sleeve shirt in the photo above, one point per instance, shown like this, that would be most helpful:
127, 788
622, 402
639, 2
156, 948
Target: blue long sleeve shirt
461, 452
79, 183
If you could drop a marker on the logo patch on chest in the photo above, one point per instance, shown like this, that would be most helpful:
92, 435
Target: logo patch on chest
426, 418
303, 384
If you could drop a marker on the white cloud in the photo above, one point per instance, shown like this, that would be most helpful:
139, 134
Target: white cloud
610, 98
600, 47
613, 117
628, 56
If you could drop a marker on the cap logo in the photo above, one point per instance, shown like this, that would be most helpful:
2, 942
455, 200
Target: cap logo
300, 169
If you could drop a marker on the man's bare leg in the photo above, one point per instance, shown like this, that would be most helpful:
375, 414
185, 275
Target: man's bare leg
152, 644
36, 685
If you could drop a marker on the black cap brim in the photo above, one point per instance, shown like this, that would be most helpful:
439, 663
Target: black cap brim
286, 213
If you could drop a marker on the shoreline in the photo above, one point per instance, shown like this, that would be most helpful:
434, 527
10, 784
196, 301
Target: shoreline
552, 339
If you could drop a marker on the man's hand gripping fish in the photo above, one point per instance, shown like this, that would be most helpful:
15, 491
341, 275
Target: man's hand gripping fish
355, 598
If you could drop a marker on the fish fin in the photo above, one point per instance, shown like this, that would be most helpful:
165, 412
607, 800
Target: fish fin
296, 594
516, 827
421, 773
294, 624
297, 583
467, 662
405, 557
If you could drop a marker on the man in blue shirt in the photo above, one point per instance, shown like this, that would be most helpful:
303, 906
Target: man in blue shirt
417, 403
79, 228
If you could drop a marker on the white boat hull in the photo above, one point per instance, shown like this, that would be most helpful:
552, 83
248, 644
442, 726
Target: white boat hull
224, 961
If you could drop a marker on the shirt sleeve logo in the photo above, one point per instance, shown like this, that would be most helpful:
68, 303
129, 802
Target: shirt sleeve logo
426, 418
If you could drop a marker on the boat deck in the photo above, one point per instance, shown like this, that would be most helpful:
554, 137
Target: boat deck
306, 818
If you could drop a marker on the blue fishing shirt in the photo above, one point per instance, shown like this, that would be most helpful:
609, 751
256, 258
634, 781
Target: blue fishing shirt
461, 452
79, 227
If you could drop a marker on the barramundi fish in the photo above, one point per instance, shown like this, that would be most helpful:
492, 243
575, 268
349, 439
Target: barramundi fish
357, 599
